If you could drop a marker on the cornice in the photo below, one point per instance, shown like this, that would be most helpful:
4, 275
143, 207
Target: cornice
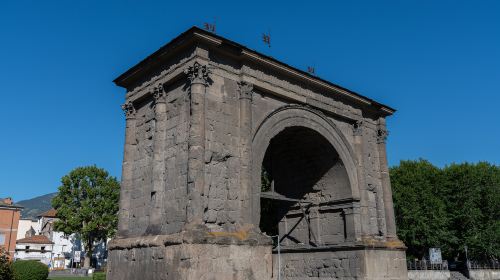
196, 35
302, 76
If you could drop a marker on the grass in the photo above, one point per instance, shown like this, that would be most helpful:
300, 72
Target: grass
69, 278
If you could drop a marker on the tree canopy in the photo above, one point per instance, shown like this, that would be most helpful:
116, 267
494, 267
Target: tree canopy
450, 207
87, 204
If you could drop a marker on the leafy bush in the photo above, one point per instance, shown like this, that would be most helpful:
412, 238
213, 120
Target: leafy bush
5, 266
99, 276
30, 270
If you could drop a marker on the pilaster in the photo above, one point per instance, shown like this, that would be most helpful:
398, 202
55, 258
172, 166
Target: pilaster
385, 180
127, 166
157, 194
245, 97
198, 81
357, 129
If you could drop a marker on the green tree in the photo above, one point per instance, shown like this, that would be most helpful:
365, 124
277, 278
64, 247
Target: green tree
87, 204
451, 207
421, 217
473, 203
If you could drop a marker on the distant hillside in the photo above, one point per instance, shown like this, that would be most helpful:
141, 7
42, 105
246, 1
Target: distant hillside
35, 206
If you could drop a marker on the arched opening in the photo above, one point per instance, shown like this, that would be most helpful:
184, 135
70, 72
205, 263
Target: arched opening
303, 180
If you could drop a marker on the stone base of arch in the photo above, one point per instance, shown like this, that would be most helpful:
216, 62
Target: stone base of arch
341, 262
247, 262
193, 254
155, 257
191, 261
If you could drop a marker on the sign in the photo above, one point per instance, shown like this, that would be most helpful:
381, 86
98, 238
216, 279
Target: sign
435, 255
77, 256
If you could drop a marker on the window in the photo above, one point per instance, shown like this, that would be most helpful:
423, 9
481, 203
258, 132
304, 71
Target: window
2, 238
27, 249
42, 249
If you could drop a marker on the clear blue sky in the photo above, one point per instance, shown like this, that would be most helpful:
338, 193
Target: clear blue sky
437, 62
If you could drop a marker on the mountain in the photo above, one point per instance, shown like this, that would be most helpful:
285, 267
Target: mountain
35, 206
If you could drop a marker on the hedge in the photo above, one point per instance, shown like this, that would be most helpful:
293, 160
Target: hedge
99, 276
30, 270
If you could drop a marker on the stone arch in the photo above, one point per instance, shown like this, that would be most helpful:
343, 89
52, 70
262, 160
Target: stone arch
298, 116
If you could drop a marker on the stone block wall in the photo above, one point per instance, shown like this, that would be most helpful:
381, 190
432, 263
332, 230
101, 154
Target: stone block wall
222, 200
429, 275
192, 261
142, 178
146, 200
319, 265
383, 264
484, 274
339, 263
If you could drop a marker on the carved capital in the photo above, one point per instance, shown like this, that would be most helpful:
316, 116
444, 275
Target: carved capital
350, 211
197, 74
129, 110
357, 128
246, 90
382, 135
159, 94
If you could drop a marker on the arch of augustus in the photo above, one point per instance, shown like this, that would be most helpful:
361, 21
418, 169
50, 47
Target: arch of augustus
229, 152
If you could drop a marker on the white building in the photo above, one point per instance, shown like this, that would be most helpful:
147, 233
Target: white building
37, 240
63, 248
64, 245
26, 225
36, 247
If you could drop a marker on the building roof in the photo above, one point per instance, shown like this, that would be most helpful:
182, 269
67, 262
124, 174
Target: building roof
7, 203
36, 239
52, 213
195, 34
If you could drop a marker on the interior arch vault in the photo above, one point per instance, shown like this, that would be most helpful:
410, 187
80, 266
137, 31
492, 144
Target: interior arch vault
302, 178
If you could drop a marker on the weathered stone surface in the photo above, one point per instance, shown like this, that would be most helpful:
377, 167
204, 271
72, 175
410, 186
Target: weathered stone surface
429, 275
484, 274
207, 121
192, 261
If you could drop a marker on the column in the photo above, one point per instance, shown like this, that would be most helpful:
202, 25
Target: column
352, 223
198, 81
245, 96
157, 194
127, 168
385, 180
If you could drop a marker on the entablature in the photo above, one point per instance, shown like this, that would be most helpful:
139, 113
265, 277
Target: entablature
201, 43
